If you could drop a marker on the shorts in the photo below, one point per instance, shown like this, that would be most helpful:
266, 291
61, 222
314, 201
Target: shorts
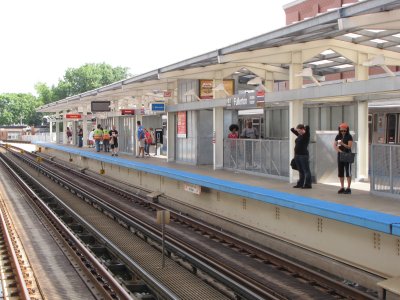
141, 143
115, 145
343, 168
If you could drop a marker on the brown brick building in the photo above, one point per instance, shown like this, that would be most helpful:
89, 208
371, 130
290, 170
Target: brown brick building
303, 9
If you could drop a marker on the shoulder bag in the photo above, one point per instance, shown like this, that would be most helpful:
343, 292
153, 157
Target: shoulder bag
347, 157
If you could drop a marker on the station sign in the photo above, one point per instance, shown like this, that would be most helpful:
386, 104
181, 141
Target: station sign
100, 106
192, 188
73, 116
246, 100
157, 107
127, 112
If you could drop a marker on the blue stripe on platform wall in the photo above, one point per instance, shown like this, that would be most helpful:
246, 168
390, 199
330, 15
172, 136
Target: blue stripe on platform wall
396, 229
357, 216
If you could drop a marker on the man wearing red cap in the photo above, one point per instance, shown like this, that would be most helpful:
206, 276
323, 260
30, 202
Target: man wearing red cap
343, 143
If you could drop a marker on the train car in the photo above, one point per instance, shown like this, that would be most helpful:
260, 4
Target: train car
384, 125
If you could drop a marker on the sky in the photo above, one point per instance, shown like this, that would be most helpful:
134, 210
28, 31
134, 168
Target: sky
41, 39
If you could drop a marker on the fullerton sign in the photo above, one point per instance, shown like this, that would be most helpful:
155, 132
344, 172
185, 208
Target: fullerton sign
247, 100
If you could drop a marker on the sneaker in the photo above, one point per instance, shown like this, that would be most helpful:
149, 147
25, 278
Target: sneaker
307, 187
347, 191
116, 154
341, 191
112, 154
297, 186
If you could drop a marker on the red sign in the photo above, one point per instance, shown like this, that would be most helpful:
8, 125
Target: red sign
167, 94
181, 126
73, 116
260, 93
127, 112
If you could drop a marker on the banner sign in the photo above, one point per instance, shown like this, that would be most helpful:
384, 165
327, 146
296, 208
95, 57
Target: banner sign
181, 126
73, 116
260, 96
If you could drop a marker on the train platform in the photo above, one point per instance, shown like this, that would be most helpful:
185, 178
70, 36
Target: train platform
335, 225
360, 197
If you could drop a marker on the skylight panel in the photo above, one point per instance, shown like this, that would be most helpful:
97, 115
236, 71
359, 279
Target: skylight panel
352, 35
343, 66
378, 41
327, 52
320, 62
375, 30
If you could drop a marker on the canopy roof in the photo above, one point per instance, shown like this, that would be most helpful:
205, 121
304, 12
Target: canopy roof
329, 43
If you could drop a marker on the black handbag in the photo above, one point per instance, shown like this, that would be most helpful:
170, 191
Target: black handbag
347, 157
293, 164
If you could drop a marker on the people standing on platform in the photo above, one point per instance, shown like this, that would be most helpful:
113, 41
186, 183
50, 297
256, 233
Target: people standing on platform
91, 138
249, 133
141, 138
98, 136
234, 134
80, 136
114, 141
106, 139
343, 143
148, 141
301, 155
69, 135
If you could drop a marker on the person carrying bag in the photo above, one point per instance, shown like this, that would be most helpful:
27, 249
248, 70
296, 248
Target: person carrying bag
342, 145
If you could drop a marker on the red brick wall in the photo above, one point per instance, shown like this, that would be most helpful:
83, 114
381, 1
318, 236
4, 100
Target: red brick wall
310, 8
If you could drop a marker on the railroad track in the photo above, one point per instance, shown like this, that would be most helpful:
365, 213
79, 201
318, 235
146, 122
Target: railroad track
245, 270
17, 281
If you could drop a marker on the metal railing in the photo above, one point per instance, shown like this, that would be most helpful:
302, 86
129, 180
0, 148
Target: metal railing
40, 137
269, 157
385, 168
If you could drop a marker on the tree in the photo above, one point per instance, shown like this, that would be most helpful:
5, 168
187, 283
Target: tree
45, 93
82, 79
19, 109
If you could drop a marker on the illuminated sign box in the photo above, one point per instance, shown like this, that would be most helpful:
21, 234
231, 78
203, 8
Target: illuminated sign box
160, 107
127, 112
73, 116
100, 106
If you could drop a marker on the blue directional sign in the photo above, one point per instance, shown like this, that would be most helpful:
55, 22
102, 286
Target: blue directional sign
157, 107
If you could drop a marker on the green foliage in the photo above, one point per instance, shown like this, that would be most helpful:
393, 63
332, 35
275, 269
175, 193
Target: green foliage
82, 79
19, 108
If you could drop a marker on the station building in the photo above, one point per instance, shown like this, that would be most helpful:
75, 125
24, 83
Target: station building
335, 61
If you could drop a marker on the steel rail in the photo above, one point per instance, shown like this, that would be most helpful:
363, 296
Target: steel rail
306, 273
116, 288
22, 288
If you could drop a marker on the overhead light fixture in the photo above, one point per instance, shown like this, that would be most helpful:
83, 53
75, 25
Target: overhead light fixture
378, 60
221, 87
192, 93
258, 82
307, 72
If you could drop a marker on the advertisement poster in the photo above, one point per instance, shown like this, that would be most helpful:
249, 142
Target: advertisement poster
181, 128
229, 86
206, 88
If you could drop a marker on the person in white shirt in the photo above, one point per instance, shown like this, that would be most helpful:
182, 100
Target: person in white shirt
91, 139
